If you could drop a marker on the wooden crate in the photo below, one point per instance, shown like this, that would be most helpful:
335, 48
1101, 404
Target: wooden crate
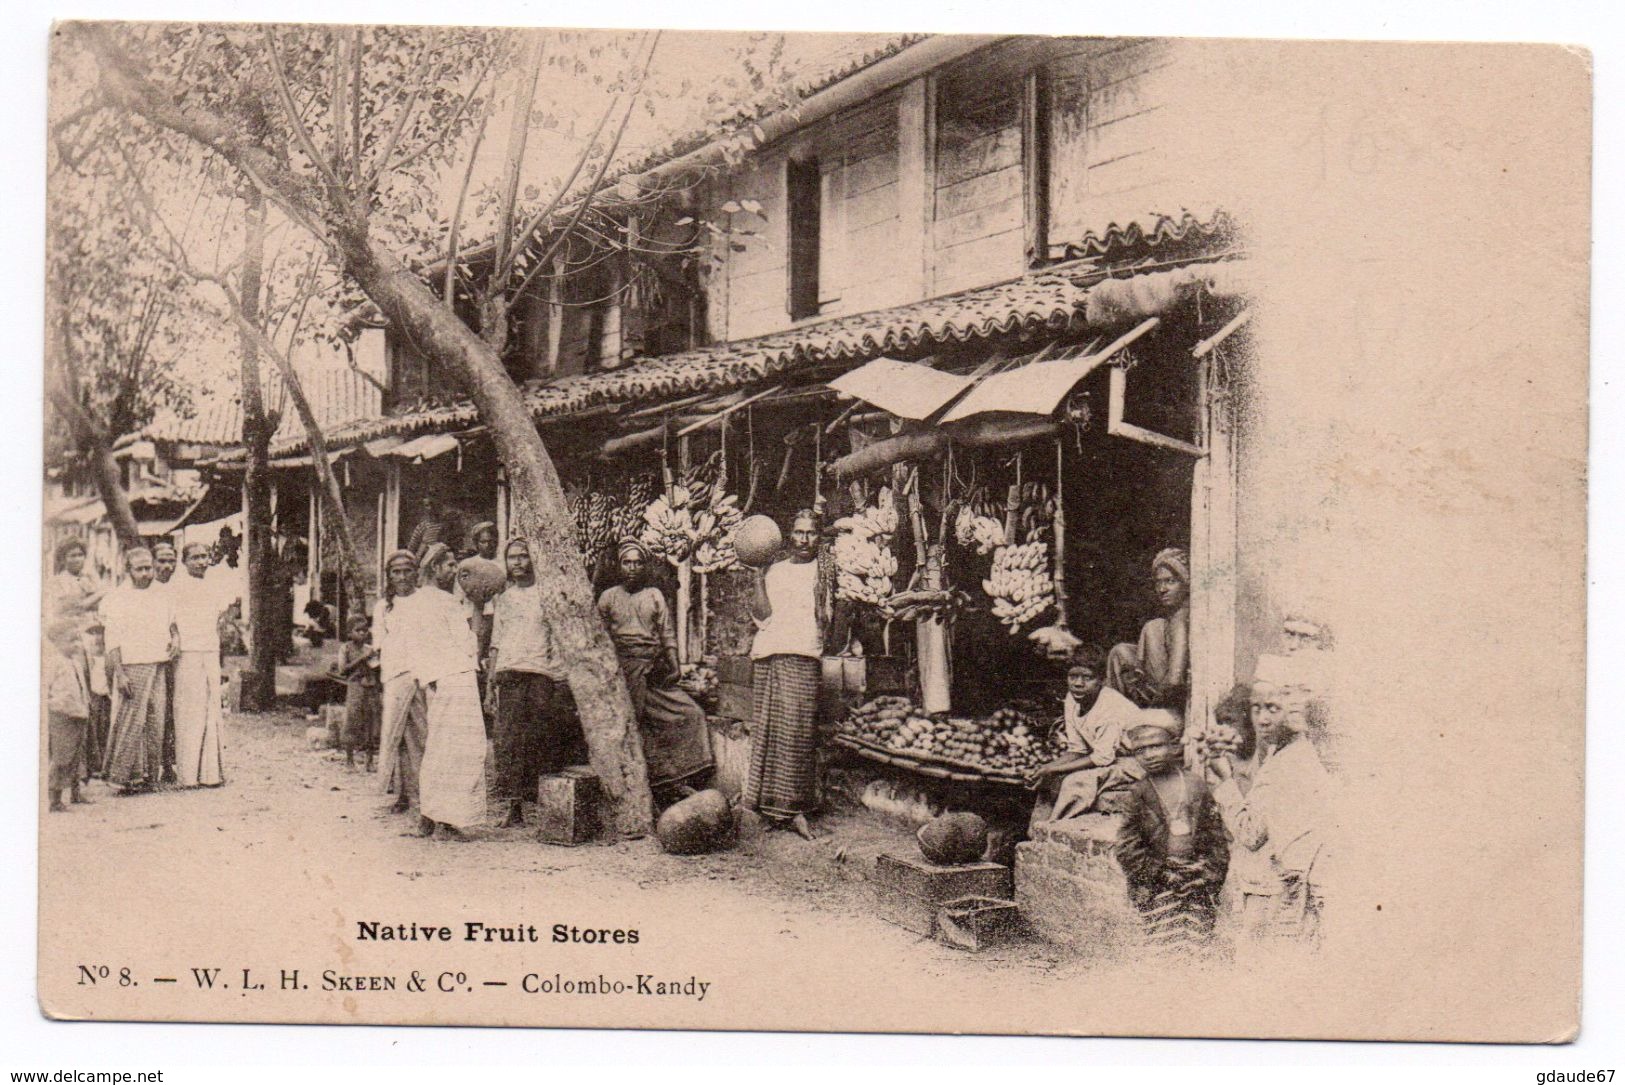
567, 807
975, 923
910, 892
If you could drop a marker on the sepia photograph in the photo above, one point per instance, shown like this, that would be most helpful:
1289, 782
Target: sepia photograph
741, 530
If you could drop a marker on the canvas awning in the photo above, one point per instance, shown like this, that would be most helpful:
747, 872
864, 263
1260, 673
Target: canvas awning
423, 448
83, 511
905, 389
1039, 387
383, 446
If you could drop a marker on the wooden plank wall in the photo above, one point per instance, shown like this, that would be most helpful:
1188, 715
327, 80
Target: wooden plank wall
859, 259
755, 265
858, 231
978, 229
1109, 153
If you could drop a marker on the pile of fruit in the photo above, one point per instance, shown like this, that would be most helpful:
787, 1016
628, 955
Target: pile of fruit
1008, 741
978, 529
1211, 741
1021, 585
864, 562
695, 522
603, 517
699, 681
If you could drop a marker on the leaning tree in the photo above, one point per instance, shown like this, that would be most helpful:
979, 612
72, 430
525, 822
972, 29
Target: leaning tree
349, 134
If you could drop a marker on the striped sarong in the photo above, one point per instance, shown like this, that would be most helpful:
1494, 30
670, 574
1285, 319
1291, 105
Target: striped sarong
405, 727
783, 778
676, 743
198, 720
135, 744
1181, 916
451, 787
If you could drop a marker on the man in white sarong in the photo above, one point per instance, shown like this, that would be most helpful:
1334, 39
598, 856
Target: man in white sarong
165, 560
199, 600
452, 787
405, 721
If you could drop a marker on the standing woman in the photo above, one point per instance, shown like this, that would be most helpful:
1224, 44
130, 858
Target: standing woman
405, 713
452, 784
198, 600
71, 592
782, 785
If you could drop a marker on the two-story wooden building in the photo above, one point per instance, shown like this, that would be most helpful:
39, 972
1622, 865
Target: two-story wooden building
960, 263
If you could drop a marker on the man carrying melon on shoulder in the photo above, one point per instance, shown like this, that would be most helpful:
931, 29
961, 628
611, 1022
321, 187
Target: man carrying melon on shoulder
787, 604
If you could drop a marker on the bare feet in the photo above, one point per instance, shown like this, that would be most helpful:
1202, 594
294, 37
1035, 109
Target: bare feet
56, 805
80, 799
802, 828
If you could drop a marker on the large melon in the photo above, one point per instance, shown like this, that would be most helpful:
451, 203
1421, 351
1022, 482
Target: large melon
953, 839
758, 541
480, 579
700, 823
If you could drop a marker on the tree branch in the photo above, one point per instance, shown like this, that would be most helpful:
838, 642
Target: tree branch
505, 269
293, 114
457, 215
447, 129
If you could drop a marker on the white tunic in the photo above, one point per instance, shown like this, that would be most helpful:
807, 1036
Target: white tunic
198, 601
137, 623
792, 628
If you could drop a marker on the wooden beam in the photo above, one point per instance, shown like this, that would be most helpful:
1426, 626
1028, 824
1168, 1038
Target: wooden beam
725, 412
1201, 349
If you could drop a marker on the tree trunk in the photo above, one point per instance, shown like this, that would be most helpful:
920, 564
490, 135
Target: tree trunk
111, 487
540, 511
90, 436
540, 516
259, 682
332, 497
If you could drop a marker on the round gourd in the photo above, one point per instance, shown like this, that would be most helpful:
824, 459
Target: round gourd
700, 823
758, 541
480, 579
953, 839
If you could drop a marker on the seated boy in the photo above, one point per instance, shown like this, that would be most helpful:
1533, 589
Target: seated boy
1093, 722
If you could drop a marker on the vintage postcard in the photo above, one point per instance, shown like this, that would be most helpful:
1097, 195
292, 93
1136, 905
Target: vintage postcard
938, 533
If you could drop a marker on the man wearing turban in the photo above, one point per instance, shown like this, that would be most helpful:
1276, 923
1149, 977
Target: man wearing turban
404, 716
1155, 672
675, 740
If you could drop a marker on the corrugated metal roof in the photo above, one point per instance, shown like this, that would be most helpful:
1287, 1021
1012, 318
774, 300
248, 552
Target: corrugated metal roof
1044, 302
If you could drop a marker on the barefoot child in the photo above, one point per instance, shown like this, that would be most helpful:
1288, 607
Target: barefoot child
363, 698
68, 706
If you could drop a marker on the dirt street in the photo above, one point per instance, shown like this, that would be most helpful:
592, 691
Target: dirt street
276, 870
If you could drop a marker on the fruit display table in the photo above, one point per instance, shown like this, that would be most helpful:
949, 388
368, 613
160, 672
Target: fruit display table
1003, 748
